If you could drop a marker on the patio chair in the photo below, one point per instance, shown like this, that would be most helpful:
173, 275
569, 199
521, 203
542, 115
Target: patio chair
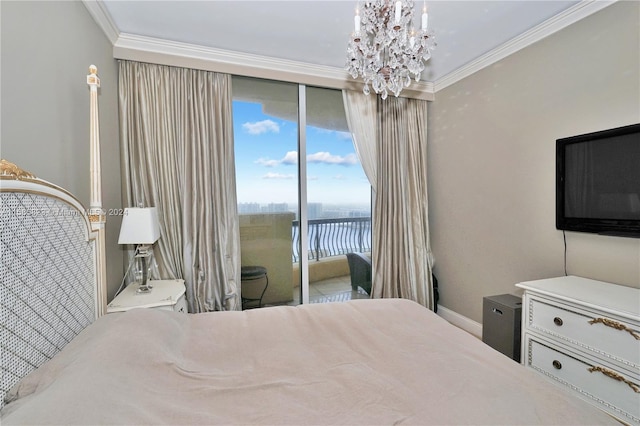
360, 270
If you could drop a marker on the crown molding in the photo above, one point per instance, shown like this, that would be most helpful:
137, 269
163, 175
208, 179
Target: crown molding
166, 52
99, 14
545, 29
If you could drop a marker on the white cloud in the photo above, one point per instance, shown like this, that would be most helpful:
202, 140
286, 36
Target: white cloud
344, 135
290, 158
267, 163
328, 158
340, 177
260, 127
338, 134
277, 176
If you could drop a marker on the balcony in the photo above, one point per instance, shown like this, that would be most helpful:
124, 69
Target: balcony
337, 289
272, 240
333, 237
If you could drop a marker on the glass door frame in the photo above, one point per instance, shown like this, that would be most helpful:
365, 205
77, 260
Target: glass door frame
304, 273
302, 194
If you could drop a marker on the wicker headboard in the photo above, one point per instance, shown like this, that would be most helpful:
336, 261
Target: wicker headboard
48, 292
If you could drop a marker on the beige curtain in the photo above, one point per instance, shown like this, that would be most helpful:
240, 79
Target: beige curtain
177, 155
401, 248
362, 116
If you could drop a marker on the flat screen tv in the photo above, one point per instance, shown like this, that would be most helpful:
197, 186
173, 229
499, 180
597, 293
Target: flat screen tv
598, 182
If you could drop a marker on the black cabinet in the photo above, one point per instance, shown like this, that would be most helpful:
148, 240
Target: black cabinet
501, 323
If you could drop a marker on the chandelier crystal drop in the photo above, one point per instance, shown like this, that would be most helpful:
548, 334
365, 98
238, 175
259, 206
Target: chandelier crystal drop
384, 49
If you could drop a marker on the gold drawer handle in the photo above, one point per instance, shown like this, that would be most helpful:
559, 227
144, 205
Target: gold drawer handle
615, 376
614, 324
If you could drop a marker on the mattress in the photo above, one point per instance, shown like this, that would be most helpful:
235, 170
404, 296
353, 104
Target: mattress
387, 361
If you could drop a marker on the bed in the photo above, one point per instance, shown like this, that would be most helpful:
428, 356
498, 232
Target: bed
385, 361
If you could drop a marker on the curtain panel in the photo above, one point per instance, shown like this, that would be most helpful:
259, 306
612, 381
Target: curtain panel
401, 245
177, 154
391, 143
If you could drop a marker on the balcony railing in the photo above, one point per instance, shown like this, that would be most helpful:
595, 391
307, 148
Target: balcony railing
332, 237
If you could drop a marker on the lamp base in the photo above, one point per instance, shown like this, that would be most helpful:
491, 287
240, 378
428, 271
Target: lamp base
144, 289
143, 254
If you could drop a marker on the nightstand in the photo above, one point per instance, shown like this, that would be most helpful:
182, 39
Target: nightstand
167, 295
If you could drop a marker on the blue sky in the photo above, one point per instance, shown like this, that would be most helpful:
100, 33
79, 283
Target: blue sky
266, 161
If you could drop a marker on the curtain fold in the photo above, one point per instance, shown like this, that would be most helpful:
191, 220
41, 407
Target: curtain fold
362, 116
361, 111
177, 155
401, 247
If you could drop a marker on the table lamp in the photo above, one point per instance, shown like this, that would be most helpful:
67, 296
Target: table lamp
140, 227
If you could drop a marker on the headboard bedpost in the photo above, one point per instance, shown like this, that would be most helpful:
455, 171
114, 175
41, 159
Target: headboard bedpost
48, 272
53, 269
97, 215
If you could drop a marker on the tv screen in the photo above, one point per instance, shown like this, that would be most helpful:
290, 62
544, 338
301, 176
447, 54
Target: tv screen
598, 182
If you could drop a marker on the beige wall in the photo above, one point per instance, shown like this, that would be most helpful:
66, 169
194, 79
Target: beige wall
46, 49
492, 160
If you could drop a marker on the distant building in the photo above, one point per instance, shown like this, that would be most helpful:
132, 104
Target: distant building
247, 208
275, 208
314, 210
359, 213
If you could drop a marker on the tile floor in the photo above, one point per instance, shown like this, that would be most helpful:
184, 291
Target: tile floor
332, 290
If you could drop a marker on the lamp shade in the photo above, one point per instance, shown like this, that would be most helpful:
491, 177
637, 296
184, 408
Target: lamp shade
139, 226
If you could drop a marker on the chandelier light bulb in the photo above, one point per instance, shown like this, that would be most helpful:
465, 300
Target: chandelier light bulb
425, 18
385, 50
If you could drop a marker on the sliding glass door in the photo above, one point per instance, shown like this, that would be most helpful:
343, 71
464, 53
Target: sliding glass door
266, 151
303, 198
338, 198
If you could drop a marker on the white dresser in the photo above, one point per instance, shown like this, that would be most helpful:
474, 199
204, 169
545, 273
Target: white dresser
585, 335
165, 294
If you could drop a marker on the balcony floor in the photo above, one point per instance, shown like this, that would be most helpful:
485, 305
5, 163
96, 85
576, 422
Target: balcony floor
336, 289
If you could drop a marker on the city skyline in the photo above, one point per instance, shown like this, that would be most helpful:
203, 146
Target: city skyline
267, 161
314, 210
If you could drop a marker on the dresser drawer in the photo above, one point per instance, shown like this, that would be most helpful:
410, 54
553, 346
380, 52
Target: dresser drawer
592, 381
606, 336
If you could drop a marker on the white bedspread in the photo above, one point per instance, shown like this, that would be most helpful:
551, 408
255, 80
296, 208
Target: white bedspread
360, 362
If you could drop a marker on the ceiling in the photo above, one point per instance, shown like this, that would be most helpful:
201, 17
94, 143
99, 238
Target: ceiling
316, 32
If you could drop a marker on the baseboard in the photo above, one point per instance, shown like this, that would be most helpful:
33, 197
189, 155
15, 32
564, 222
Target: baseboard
461, 321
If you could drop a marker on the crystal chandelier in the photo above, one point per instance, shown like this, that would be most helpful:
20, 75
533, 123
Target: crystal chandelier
384, 49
